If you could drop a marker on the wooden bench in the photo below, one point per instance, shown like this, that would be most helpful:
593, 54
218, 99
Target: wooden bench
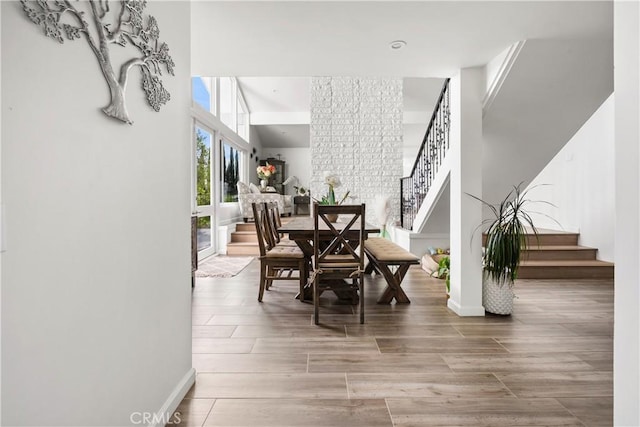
383, 254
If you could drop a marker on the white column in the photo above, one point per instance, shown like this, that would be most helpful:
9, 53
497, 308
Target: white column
466, 177
626, 333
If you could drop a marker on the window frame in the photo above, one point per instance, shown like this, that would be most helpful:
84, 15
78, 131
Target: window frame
241, 170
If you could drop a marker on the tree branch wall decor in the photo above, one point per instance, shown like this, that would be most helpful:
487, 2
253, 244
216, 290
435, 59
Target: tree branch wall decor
61, 19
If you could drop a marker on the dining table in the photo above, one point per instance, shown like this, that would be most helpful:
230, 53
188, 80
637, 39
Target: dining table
300, 230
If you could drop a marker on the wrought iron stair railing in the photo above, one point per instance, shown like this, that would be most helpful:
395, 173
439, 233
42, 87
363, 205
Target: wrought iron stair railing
414, 188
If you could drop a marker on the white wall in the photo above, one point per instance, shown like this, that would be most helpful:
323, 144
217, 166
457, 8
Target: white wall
298, 164
96, 276
563, 82
580, 187
356, 133
626, 334
412, 135
1, 215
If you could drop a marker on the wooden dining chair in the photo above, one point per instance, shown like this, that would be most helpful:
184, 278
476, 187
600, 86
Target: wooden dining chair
273, 215
338, 251
276, 262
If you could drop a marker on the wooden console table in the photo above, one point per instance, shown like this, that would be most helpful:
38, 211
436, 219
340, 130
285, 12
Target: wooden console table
301, 203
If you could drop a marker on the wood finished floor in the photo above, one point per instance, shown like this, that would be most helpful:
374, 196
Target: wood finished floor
266, 364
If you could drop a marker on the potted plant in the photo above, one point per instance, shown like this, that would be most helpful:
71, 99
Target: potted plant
332, 181
444, 272
505, 239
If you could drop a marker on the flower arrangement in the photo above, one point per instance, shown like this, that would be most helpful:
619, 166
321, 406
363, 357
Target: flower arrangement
333, 181
264, 172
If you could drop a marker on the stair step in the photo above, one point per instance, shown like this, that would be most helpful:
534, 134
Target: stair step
243, 248
548, 238
244, 236
557, 238
566, 269
559, 252
246, 226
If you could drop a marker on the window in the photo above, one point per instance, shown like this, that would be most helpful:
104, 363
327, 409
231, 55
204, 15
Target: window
227, 102
231, 165
203, 190
203, 167
242, 119
221, 97
203, 92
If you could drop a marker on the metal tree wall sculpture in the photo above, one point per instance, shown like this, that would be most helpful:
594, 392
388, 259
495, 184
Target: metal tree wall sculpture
127, 27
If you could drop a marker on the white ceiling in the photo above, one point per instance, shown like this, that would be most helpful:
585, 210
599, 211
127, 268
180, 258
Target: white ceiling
300, 38
273, 38
276, 94
275, 97
283, 135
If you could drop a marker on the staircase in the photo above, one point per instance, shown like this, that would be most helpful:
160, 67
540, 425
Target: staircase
244, 240
556, 255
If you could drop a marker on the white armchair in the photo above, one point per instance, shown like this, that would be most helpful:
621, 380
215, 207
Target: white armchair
246, 197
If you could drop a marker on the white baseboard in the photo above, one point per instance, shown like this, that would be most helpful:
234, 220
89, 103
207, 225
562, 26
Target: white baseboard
465, 311
171, 404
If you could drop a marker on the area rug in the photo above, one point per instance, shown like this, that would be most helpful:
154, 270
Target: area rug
222, 266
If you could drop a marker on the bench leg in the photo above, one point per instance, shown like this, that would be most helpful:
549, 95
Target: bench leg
393, 290
371, 266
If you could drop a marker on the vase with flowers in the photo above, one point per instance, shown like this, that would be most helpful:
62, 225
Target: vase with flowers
333, 182
264, 172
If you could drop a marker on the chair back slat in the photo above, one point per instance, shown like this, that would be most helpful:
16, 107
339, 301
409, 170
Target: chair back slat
263, 231
273, 219
339, 240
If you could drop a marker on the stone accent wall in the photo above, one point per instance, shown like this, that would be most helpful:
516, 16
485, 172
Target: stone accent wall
356, 133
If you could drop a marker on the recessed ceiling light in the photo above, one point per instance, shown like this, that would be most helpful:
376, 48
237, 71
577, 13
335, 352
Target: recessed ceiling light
397, 44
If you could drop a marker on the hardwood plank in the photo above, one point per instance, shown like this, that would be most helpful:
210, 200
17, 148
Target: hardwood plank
221, 345
377, 363
439, 345
191, 412
374, 386
300, 413
206, 331
513, 330
257, 319
558, 384
269, 386
529, 362
599, 360
592, 411
200, 319
564, 317
480, 411
250, 363
288, 331
315, 345
557, 344
404, 330
591, 328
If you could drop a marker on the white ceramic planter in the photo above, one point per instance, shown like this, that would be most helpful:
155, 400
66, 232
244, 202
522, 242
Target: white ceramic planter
497, 298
